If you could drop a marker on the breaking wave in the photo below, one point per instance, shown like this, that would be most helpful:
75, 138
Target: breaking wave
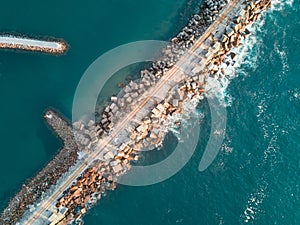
254, 202
279, 5
246, 56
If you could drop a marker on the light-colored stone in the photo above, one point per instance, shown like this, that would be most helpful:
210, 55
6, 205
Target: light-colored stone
156, 112
118, 168
160, 107
129, 100
114, 98
175, 102
127, 89
109, 155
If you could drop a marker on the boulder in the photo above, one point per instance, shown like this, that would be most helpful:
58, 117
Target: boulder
175, 102
160, 107
114, 99
129, 100
127, 89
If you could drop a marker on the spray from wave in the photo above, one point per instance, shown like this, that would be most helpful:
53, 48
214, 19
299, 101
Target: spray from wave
246, 56
279, 5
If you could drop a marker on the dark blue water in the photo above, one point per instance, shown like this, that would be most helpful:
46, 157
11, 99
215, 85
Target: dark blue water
255, 177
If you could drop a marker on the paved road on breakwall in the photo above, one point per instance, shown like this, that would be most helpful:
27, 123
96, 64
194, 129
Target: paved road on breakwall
173, 75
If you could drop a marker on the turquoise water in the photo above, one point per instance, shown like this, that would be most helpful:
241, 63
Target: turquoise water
257, 171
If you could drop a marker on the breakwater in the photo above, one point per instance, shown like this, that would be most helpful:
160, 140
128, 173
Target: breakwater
18, 42
48, 176
140, 121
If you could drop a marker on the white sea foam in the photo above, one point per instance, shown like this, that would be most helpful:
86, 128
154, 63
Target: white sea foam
283, 58
253, 206
226, 147
186, 118
271, 130
246, 55
294, 95
279, 5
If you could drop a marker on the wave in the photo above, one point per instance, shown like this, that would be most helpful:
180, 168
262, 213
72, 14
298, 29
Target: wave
254, 203
294, 94
272, 131
246, 56
253, 207
279, 5
250, 53
187, 119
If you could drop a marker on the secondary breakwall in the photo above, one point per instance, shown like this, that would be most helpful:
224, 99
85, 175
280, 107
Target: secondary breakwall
21, 42
48, 176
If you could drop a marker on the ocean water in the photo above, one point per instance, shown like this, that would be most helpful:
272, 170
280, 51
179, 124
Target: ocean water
255, 177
